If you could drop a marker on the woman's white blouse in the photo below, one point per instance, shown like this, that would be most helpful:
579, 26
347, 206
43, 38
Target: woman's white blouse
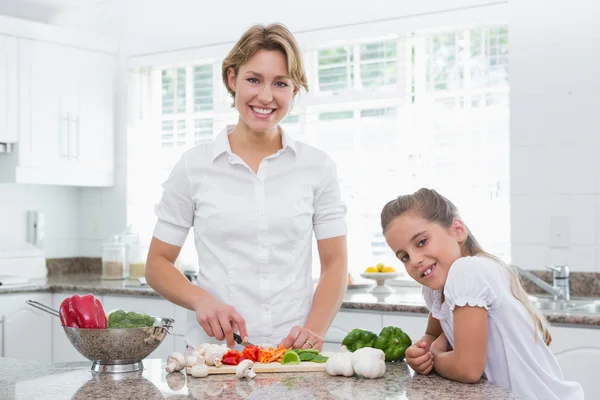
253, 232
515, 360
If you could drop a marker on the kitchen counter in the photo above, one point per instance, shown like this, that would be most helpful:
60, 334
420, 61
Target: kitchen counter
31, 380
406, 299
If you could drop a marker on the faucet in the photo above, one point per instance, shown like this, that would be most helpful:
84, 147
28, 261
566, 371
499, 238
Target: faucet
560, 289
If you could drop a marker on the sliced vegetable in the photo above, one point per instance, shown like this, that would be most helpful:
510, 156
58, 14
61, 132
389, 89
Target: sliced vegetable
313, 351
232, 357
306, 356
290, 357
318, 358
82, 312
251, 353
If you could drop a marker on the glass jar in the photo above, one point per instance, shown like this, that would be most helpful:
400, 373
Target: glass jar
113, 259
136, 260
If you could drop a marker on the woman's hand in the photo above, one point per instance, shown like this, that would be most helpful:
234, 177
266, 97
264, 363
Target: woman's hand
220, 320
419, 358
302, 338
440, 345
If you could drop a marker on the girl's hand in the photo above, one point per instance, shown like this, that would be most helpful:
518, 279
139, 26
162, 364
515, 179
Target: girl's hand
419, 358
440, 345
302, 338
220, 320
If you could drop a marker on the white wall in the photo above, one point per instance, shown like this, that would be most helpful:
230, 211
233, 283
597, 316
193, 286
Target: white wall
149, 26
555, 133
555, 122
60, 206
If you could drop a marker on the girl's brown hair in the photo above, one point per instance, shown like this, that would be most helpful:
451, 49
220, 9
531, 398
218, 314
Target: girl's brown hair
434, 207
273, 37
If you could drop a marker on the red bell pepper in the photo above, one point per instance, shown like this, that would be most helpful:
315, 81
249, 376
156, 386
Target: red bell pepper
251, 353
232, 357
82, 312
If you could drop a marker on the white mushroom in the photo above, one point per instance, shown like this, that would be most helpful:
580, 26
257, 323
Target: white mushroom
191, 360
175, 362
214, 354
199, 371
202, 348
244, 370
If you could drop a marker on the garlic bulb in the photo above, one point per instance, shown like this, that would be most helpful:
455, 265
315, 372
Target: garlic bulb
214, 354
369, 362
340, 363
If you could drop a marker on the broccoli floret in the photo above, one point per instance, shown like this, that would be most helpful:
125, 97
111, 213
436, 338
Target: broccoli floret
122, 319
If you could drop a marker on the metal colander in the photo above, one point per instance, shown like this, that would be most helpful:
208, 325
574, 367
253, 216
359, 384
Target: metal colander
115, 350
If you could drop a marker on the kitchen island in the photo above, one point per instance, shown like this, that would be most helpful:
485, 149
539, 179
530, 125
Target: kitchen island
30, 380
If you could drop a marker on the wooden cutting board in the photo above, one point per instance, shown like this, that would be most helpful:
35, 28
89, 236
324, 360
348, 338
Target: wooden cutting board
305, 366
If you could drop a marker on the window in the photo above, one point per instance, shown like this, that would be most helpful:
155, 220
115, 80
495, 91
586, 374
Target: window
397, 113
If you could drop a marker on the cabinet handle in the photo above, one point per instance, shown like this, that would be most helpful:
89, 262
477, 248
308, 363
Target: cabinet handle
64, 136
73, 138
76, 138
2, 334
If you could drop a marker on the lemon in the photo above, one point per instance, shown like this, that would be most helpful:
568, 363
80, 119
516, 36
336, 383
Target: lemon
389, 269
371, 269
380, 267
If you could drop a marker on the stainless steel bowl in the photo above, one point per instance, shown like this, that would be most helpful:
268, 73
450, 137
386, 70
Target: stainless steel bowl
119, 350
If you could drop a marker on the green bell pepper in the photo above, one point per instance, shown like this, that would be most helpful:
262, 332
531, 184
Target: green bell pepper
394, 342
359, 338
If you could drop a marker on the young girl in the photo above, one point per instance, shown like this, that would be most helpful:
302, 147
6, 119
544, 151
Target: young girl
481, 321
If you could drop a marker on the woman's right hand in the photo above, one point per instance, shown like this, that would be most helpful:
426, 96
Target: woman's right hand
220, 320
419, 358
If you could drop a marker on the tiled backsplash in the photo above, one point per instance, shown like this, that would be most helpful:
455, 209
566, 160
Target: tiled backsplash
60, 206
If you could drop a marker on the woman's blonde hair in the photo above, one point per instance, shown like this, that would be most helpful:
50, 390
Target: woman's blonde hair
434, 207
273, 37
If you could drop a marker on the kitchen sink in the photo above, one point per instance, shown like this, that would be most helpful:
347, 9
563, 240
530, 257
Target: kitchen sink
573, 306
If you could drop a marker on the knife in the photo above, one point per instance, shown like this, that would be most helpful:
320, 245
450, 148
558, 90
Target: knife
238, 339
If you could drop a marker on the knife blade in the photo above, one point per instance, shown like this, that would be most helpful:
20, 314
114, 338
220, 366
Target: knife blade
238, 339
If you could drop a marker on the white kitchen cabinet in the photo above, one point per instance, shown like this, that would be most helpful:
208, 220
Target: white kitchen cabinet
1, 336
413, 325
65, 116
62, 349
147, 305
578, 353
8, 89
27, 332
345, 321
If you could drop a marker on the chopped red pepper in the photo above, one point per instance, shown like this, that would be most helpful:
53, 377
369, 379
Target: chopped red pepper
251, 353
82, 312
232, 357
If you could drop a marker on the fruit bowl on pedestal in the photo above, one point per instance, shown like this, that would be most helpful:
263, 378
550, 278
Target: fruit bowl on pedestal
380, 278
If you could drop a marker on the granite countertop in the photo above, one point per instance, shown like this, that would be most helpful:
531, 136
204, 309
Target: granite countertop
31, 380
405, 299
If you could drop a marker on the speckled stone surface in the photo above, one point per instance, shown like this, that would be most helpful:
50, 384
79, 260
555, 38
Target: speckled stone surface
76, 265
406, 299
583, 284
30, 380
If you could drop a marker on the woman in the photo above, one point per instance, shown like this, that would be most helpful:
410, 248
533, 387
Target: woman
254, 197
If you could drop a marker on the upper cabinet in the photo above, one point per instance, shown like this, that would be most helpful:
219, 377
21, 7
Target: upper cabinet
66, 115
8, 90
57, 104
